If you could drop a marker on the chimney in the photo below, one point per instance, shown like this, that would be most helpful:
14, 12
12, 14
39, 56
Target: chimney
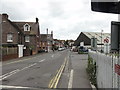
5, 15
51, 33
47, 31
37, 20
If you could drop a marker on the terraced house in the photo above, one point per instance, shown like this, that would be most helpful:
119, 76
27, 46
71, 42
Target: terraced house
19, 38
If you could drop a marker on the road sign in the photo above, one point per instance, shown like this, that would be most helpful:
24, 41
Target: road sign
106, 40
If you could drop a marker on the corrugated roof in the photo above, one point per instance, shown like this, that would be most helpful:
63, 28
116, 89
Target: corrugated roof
98, 36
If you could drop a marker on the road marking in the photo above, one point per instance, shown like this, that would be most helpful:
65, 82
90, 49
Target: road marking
14, 72
28, 66
70, 79
42, 60
9, 74
55, 80
5, 86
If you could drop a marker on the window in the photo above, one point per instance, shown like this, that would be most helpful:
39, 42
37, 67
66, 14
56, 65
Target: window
27, 39
26, 27
9, 37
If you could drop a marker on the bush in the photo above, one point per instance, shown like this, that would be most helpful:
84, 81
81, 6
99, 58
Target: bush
91, 70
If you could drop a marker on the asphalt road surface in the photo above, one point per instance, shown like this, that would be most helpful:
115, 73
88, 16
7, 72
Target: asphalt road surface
38, 72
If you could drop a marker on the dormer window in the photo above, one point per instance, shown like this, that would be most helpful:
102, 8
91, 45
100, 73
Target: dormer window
26, 27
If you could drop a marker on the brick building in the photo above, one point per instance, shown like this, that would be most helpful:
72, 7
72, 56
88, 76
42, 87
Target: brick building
11, 38
16, 36
31, 36
46, 41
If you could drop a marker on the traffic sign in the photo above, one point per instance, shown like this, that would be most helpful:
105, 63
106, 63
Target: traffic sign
106, 40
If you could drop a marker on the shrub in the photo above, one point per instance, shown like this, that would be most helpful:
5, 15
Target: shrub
91, 70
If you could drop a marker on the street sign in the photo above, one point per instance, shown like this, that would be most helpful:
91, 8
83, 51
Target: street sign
106, 40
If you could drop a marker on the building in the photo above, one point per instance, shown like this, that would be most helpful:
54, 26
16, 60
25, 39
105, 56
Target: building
12, 38
31, 36
86, 38
46, 41
19, 38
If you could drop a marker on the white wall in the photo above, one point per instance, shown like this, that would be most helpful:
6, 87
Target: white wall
106, 76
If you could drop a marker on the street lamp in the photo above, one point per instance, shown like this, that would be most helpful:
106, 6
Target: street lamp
101, 41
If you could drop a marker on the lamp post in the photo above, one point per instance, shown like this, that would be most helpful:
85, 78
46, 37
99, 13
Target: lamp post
101, 40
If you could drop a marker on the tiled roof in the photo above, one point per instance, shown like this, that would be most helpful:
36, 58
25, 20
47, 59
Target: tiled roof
33, 27
98, 36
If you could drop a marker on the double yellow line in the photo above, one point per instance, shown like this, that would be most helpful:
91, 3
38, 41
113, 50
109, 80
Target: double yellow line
54, 81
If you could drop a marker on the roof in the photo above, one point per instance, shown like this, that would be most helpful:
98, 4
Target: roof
10, 22
98, 36
46, 37
34, 27
43, 37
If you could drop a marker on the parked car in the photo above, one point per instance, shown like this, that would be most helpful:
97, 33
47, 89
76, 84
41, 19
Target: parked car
60, 48
82, 49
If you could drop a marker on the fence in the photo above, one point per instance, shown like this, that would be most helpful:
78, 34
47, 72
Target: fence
9, 53
107, 76
9, 50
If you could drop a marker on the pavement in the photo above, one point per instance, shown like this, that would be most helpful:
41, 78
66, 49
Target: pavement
80, 77
75, 73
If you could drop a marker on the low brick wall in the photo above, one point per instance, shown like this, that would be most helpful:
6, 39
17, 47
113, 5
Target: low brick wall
10, 56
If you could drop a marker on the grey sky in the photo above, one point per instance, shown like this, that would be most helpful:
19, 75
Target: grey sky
67, 18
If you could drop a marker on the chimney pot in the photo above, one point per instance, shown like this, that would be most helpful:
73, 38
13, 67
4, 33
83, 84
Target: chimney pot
5, 15
37, 20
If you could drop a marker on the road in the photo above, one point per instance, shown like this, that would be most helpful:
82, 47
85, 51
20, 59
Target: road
38, 72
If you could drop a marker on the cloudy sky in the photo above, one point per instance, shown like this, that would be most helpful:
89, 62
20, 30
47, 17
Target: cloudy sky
67, 18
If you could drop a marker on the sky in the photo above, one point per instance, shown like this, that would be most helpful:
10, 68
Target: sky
66, 18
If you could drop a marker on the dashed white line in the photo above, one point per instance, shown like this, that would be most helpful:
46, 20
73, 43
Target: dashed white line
28, 66
14, 71
70, 79
9, 74
42, 60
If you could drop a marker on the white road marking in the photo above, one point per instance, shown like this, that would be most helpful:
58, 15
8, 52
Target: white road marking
5, 86
42, 60
14, 71
70, 79
9, 74
28, 66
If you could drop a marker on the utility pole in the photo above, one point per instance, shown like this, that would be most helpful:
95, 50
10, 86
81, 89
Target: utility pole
47, 40
101, 41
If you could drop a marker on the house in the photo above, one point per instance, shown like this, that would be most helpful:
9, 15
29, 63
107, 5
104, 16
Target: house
12, 39
46, 41
31, 36
86, 38
19, 38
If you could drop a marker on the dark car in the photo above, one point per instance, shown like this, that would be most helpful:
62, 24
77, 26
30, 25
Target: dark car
82, 49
